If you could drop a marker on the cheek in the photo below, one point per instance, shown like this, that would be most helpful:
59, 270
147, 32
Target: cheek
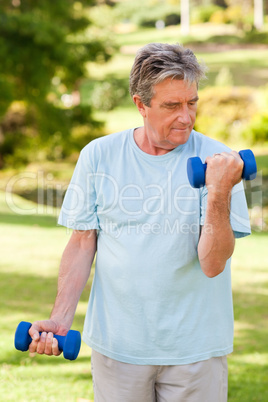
192, 115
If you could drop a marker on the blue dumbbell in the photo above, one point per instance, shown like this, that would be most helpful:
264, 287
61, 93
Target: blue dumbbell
69, 344
196, 169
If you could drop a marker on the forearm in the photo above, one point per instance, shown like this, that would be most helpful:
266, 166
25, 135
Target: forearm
74, 272
217, 240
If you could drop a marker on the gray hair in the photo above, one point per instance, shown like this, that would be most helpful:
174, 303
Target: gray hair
157, 61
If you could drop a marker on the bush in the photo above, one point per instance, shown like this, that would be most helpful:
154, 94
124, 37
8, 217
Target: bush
27, 137
234, 114
256, 37
105, 95
224, 111
203, 14
257, 130
147, 14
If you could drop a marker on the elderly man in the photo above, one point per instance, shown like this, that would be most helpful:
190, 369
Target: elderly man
160, 316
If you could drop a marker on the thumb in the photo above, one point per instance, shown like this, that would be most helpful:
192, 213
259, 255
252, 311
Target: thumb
34, 332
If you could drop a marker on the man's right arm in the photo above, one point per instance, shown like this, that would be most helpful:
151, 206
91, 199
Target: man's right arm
74, 272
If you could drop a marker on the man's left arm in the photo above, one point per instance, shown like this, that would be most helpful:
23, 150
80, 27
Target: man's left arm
217, 241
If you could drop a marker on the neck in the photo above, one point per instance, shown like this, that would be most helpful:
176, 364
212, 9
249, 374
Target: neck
145, 145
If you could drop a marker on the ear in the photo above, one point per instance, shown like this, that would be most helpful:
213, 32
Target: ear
139, 104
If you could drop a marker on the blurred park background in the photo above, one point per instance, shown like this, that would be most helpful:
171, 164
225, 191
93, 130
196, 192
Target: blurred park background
64, 69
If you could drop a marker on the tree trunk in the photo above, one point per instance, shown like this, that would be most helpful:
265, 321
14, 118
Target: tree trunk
258, 14
185, 17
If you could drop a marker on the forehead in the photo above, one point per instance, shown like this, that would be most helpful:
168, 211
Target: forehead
174, 90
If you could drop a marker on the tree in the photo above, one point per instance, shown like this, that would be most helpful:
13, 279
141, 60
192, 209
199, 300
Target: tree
44, 48
258, 14
185, 17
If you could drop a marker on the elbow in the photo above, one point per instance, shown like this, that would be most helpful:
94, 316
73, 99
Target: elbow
213, 263
212, 272
213, 268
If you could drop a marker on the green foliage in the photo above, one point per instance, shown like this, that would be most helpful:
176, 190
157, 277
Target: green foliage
26, 129
255, 37
239, 14
231, 113
106, 94
223, 111
257, 130
44, 50
204, 13
146, 14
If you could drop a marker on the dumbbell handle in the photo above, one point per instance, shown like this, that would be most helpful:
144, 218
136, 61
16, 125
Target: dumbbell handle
196, 169
60, 339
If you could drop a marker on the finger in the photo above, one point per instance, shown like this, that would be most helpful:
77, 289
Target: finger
33, 346
232, 154
41, 344
216, 155
237, 157
48, 344
55, 347
34, 332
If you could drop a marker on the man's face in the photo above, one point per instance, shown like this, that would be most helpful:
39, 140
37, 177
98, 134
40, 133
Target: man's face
170, 118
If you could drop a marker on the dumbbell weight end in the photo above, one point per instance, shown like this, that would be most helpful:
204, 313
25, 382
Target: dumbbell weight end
196, 170
250, 167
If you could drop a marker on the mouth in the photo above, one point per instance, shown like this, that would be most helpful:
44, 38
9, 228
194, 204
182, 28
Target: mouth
180, 129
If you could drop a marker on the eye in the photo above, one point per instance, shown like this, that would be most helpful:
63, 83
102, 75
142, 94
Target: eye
192, 103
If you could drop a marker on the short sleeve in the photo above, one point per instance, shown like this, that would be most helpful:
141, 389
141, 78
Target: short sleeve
78, 210
239, 217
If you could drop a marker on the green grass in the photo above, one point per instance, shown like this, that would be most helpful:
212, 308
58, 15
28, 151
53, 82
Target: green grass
172, 34
32, 244
30, 256
31, 247
248, 66
248, 365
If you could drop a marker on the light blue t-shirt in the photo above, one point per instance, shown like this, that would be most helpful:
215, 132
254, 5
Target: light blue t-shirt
150, 302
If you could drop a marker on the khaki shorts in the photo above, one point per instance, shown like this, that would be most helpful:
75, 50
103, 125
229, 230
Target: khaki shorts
205, 381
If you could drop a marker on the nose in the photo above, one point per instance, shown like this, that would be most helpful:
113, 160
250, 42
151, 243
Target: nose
183, 116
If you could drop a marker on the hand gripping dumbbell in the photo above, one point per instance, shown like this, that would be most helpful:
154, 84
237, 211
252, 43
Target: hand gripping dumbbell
69, 344
196, 169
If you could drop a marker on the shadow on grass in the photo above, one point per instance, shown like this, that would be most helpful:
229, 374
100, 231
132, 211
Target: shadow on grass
46, 221
23, 359
32, 295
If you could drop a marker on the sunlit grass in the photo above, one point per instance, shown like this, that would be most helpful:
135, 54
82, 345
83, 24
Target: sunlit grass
30, 256
121, 119
31, 248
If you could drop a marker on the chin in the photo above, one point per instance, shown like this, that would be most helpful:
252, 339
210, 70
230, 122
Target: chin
180, 141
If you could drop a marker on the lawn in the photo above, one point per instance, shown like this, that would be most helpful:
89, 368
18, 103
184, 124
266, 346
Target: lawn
32, 245
248, 63
31, 250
